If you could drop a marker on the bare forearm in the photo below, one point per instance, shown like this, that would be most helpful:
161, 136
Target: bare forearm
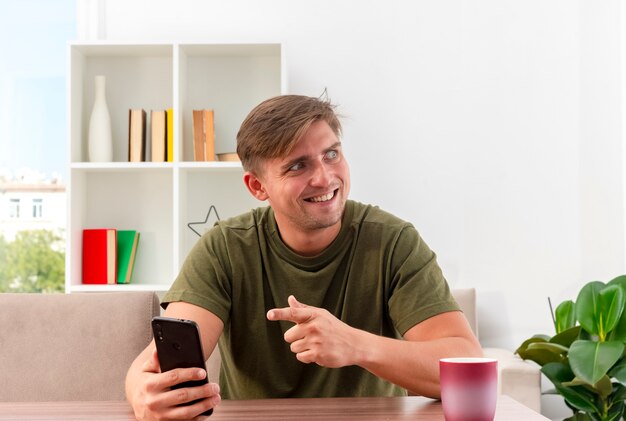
413, 365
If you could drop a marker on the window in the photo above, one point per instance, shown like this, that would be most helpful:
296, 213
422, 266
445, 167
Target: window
37, 208
14, 208
33, 46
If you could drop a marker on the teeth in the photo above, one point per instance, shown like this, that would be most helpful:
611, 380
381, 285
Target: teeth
323, 198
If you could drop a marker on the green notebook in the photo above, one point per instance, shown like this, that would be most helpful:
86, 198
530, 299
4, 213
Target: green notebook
127, 242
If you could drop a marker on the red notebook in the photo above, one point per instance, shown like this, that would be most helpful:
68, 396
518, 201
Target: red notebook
99, 256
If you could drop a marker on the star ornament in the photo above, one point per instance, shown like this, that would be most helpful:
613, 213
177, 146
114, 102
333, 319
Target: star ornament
203, 226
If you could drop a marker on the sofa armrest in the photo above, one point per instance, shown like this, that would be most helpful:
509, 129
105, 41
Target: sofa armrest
62, 347
517, 378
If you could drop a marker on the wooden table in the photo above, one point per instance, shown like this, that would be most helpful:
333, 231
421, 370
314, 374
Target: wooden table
334, 409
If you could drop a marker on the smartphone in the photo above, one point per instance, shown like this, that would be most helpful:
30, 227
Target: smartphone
178, 346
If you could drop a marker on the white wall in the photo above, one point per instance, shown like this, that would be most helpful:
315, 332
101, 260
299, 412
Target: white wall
493, 125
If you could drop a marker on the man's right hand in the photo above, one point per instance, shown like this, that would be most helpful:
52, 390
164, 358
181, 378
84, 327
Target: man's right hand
153, 398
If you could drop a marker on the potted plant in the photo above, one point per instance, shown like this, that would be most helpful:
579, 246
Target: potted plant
585, 358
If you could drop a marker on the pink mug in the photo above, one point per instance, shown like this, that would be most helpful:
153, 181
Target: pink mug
469, 388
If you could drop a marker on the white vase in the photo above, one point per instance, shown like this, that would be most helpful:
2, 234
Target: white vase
100, 148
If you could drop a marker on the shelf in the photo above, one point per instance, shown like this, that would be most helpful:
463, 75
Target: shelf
160, 199
113, 166
230, 79
137, 76
144, 166
118, 288
218, 165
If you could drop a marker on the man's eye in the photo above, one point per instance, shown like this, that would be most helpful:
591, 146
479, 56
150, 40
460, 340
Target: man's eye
296, 167
332, 155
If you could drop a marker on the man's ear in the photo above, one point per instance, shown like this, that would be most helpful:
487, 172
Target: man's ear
255, 186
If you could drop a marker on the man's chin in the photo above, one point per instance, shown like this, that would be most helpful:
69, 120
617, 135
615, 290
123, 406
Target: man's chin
316, 218
317, 222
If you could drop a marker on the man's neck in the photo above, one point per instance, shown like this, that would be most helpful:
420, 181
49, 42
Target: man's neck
308, 243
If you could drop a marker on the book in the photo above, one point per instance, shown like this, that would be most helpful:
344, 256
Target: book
228, 156
99, 256
203, 135
136, 135
209, 135
170, 135
158, 134
198, 135
127, 242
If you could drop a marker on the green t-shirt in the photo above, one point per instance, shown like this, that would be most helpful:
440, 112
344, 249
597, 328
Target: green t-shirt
377, 275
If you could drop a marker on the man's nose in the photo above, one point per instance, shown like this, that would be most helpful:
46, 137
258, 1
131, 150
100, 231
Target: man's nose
321, 176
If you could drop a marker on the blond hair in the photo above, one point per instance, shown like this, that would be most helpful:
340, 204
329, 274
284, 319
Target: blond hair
275, 126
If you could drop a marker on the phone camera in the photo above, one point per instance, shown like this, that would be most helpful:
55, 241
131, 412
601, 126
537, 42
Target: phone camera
158, 332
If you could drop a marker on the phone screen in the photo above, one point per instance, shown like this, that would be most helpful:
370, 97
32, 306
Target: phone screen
178, 346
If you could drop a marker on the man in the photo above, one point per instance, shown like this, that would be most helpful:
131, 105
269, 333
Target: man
315, 295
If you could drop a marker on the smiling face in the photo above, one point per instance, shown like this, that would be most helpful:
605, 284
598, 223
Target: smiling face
307, 188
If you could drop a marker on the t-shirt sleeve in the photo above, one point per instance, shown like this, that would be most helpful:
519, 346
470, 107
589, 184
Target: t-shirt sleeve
418, 288
205, 277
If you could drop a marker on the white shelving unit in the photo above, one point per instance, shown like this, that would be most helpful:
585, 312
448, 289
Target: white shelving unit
160, 199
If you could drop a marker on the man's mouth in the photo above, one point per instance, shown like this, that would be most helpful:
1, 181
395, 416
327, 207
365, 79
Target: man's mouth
324, 198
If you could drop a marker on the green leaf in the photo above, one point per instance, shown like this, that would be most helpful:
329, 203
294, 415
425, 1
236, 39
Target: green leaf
565, 315
587, 306
577, 397
616, 411
567, 337
619, 333
619, 393
580, 416
548, 346
618, 371
543, 353
574, 409
536, 338
611, 308
603, 387
558, 373
620, 280
599, 308
540, 356
591, 360
616, 402
585, 336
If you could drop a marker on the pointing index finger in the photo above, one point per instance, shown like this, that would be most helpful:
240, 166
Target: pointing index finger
291, 314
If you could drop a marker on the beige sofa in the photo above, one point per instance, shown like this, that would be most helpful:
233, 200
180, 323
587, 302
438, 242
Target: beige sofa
56, 347
79, 346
